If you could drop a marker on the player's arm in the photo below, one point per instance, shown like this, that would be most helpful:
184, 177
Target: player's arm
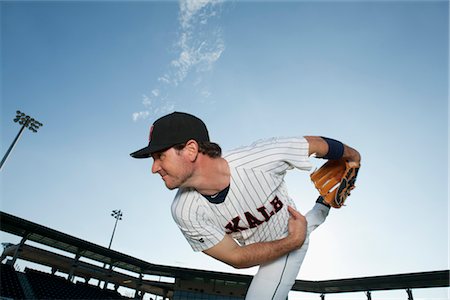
323, 149
231, 253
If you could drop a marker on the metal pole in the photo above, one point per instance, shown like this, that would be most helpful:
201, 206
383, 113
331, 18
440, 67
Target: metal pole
26, 122
12, 145
114, 230
117, 214
410, 295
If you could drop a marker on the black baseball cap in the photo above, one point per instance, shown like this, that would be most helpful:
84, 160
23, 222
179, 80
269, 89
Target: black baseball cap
172, 129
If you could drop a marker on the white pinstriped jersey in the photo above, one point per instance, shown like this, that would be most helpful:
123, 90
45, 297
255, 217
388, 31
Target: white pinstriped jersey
255, 208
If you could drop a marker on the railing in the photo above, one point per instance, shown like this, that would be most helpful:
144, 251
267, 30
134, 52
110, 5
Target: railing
405, 282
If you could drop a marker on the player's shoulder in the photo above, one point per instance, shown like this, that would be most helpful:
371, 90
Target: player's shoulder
186, 201
267, 144
185, 194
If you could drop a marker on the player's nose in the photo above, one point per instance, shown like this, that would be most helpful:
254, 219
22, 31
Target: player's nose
155, 166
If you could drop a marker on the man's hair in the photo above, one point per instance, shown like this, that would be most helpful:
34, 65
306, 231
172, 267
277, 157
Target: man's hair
213, 150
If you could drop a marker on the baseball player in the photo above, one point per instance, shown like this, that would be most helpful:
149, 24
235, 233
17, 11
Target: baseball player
236, 207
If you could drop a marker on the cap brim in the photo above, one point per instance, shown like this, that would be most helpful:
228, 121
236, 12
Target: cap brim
142, 153
146, 152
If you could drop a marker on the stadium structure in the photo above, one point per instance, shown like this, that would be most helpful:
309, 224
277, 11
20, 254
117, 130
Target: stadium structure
82, 262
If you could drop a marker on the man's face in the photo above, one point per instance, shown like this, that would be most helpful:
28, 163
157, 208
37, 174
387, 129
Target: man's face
173, 166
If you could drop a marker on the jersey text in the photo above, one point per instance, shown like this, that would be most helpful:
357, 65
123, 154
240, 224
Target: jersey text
253, 221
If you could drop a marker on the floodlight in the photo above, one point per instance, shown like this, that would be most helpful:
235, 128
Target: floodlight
116, 214
26, 122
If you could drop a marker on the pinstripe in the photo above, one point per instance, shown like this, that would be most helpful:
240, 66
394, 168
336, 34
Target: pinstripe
281, 276
257, 178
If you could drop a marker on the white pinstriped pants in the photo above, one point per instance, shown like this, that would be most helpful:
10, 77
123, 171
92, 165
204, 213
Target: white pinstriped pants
274, 280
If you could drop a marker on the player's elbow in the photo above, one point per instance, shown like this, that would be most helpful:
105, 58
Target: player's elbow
234, 255
241, 267
239, 260
240, 263
232, 261
233, 258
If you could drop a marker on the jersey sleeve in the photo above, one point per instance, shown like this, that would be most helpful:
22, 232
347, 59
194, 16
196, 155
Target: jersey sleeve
275, 155
193, 221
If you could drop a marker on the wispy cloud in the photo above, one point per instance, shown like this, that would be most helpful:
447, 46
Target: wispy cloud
140, 115
199, 46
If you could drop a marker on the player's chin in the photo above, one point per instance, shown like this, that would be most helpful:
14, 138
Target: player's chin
171, 185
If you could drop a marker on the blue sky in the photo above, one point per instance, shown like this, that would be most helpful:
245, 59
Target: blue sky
371, 74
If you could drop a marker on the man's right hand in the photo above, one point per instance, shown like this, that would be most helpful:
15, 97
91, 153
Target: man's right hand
297, 227
245, 256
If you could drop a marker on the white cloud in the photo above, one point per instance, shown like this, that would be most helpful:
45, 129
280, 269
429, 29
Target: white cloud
155, 92
199, 46
140, 115
146, 100
164, 79
192, 8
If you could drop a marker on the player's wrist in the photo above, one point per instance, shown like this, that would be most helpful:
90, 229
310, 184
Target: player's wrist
295, 240
353, 157
299, 241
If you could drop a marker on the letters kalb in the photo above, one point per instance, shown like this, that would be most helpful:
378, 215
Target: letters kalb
253, 221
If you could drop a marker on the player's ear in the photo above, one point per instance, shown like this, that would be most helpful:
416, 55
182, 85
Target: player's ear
191, 149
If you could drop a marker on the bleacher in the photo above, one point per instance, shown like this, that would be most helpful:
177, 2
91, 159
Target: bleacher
9, 283
80, 259
47, 286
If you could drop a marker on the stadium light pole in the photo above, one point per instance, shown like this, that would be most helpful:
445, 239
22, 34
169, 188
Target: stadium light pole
26, 122
117, 214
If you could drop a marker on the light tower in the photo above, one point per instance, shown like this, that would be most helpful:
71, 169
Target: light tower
26, 122
117, 214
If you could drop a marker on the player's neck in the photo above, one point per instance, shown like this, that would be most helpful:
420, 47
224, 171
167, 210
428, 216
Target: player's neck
212, 175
